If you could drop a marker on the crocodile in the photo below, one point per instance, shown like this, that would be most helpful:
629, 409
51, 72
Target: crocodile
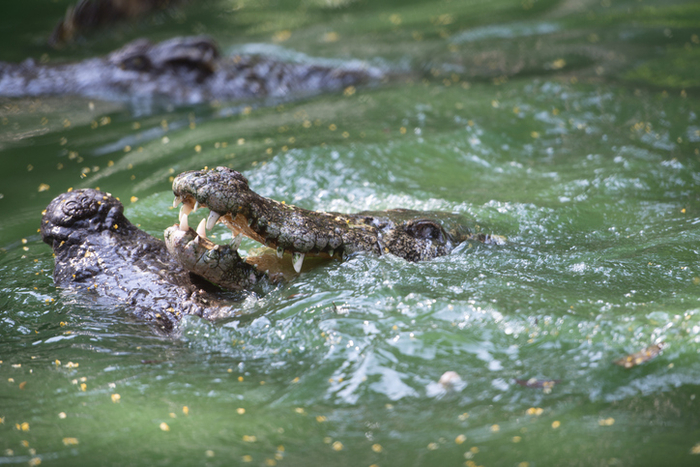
98, 250
181, 70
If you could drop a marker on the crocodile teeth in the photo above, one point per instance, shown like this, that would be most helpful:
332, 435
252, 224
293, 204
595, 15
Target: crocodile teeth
280, 251
297, 261
211, 220
250, 222
236, 242
177, 201
196, 206
184, 226
202, 229
330, 252
186, 208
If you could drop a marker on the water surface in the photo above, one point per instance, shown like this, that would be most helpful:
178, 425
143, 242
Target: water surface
570, 128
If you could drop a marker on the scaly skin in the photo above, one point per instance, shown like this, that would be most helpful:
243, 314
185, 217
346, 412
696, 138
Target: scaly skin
98, 249
219, 264
183, 70
290, 229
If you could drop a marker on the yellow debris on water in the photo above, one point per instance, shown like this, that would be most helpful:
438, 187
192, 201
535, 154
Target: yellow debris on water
606, 422
249, 438
70, 441
116, 398
337, 446
43, 187
185, 410
460, 439
377, 447
247, 458
240, 411
321, 419
164, 426
556, 424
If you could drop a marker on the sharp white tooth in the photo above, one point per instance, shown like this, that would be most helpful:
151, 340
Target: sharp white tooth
297, 261
184, 225
280, 251
177, 201
250, 222
186, 208
211, 220
236, 242
196, 206
330, 252
196, 240
202, 229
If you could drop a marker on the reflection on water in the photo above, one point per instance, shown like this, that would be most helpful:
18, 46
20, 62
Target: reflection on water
592, 177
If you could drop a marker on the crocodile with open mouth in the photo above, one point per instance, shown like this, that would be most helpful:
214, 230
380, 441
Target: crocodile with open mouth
183, 70
98, 250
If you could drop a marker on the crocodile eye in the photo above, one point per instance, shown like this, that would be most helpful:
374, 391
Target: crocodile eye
427, 230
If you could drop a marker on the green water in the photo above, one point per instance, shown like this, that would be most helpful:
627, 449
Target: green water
571, 128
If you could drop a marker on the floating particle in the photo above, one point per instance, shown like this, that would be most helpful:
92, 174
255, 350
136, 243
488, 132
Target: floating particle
300, 410
640, 357
556, 424
43, 187
695, 449
34, 461
282, 36
432, 446
70, 441
558, 64
134, 199
186, 410
164, 426
247, 458
249, 438
198, 148
349, 91
524, 464
495, 428
209, 453
606, 422
463, 416
22, 384
116, 398
449, 379
240, 411
327, 440
534, 411
516, 439
240, 378
460, 439
332, 127
337, 446
83, 387
535, 134
321, 419
62, 415
331, 37
377, 447
172, 415
270, 462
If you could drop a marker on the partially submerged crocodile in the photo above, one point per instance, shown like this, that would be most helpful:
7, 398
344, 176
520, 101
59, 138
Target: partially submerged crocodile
183, 70
98, 249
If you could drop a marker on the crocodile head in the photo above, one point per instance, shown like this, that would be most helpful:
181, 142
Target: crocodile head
71, 216
300, 232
